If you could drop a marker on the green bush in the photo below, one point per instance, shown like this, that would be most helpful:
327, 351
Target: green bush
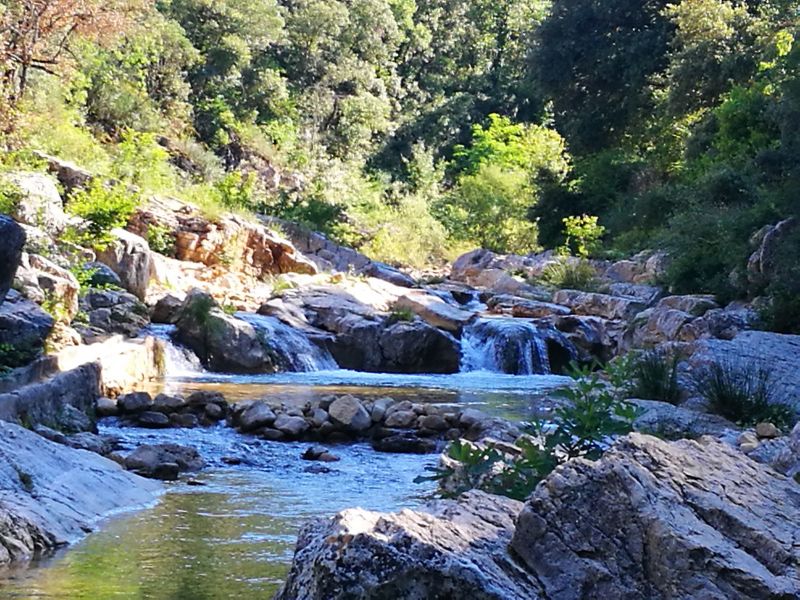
592, 415
161, 239
742, 393
13, 356
103, 208
568, 274
654, 376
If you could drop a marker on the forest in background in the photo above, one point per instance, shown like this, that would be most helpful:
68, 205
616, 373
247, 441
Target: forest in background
417, 130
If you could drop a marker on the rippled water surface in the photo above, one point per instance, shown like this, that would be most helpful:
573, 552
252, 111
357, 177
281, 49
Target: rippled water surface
233, 535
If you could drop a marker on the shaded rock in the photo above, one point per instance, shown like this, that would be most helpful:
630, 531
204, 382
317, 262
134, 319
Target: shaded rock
454, 549
787, 460
23, 323
678, 520
379, 408
319, 453
113, 311
767, 430
769, 240
649, 294
129, 257
12, 240
418, 348
153, 420
52, 495
186, 420
163, 461
99, 444
167, 404
291, 426
102, 275
106, 407
69, 175
593, 337
676, 422
135, 402
401, 418
166, 310
348, 412
405, 443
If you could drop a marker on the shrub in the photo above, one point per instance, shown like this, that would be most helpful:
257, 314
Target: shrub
743, 393
654, 376
160, 239
571, 275
582, 235
140, 160
10, 196
14, 355
582, 428
103, 208
401, 314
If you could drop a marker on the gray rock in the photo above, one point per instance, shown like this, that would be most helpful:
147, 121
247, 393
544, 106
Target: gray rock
134, 402
106, 407
157, 460
599, 305
380, 407
12, 240
405, 443
102, 275
40, 203
52, 495
653, 519
676, 422
696, 305
186, 420
449, 550
23, 323
434, 310
348, 412
291, 426
787, 460
769, 241
167, 404
166, 310
256, 416
153, 420
129, 257
401, 418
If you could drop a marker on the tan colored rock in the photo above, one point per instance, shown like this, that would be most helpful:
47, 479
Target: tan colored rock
434, 310
767, 431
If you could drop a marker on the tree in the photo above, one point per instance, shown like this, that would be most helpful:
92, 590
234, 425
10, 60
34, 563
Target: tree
36, 34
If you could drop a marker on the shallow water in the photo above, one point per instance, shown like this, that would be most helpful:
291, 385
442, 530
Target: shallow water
234, 535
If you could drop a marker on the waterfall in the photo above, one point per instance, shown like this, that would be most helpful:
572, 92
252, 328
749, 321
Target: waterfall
513, 346
292, 348
178, 360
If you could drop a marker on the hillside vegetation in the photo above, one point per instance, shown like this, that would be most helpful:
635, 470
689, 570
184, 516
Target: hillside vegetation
415, 130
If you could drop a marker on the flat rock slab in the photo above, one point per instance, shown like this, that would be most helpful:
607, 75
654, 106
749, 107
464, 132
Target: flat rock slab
51, 495
435, 311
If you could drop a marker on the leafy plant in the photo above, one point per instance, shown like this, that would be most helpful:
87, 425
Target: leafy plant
103, 208
582, 235
743, 393
401, 313
15, 355
10, 197
161, 239
583, 427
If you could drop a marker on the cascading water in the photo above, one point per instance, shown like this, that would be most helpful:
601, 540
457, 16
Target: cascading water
512, 346
293, 349
178, 361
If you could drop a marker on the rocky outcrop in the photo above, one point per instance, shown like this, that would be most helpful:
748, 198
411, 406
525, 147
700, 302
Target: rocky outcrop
112, 312
128, 255
69, 175
51, 495
231, 240
434, 310
452, 550
12, 240
776, 353
768, 242
223, 342
644, 268
65, 401
680, 520
327, 255
487, 270
39, 202
593, 337
672, 422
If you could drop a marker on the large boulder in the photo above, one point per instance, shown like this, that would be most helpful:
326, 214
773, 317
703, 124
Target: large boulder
348, 412
451, 550
768, 242
113, 312
128, 255
163, 461
416, 347
223, 342
51, 495
658, 520
12, 240
39, 203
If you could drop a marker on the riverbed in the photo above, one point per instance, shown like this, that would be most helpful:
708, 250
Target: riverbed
230, 531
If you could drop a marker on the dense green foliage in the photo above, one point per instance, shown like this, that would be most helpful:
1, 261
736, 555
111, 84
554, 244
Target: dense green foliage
416, 130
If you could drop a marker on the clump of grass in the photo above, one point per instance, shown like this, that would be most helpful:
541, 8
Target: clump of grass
654, 376
571, 275
742, 393
400, 313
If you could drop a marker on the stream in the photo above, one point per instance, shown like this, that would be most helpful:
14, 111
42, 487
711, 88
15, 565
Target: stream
230, 532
